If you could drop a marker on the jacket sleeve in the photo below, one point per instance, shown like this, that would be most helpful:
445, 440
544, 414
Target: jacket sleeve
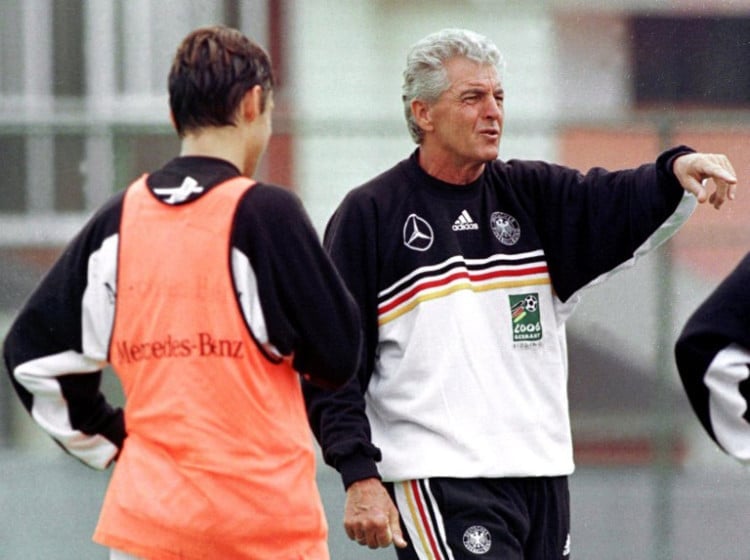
306, 309
593, 224
338, 419
713, 359
55, 366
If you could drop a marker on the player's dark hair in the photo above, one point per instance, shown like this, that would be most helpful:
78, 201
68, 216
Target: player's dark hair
213, 69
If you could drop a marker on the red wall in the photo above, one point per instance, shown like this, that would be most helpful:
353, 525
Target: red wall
712, 241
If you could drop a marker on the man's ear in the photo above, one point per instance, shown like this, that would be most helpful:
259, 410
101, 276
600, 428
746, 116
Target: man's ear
252, 101
421, 112
172, 120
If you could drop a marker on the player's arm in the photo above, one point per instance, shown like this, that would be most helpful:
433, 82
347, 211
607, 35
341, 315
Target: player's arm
58, 381
307, 312
338, 419
713, 359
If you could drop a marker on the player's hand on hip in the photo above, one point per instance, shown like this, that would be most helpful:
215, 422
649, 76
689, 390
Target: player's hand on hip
370, 517
694, 170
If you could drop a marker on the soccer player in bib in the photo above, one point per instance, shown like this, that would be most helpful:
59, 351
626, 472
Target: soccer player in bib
209, 294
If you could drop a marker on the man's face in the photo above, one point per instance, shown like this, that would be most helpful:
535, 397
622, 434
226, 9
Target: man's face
467, 119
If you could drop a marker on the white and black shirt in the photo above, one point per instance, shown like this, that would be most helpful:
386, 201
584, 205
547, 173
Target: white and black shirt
464, 291
293, 300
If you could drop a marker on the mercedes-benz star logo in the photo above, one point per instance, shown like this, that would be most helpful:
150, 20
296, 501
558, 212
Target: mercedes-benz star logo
418, 234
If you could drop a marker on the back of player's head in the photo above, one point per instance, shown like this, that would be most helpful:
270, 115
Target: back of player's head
213, 69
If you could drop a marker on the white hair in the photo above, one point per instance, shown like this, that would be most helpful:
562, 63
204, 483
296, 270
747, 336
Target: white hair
425, 76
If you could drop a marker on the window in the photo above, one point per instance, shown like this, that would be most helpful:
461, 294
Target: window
68, 61
138, 152
13, 179
82, 92
11, 50
69, 155
701, 62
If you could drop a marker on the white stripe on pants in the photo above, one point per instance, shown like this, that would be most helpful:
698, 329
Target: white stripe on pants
414, 498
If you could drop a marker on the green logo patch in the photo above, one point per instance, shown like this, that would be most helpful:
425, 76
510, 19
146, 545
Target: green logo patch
525, 321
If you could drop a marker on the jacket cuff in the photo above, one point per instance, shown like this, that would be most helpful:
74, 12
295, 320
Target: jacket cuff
664, 165
357, 467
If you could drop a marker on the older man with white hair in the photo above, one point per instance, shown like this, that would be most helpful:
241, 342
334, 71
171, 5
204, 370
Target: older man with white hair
465, 268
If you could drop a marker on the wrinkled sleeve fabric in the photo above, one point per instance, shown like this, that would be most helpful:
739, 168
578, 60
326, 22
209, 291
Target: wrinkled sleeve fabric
595, 223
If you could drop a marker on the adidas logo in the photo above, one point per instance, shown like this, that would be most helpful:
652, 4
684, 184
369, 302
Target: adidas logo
464, 222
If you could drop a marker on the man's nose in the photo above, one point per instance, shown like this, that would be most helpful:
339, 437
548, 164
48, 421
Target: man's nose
493, 108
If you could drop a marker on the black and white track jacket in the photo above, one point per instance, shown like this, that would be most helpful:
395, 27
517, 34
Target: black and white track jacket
294, 302
713, 360
464, 292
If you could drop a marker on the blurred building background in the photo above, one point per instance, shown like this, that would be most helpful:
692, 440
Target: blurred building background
83, 111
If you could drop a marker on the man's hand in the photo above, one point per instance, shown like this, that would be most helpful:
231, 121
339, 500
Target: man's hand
692, 171
370, 517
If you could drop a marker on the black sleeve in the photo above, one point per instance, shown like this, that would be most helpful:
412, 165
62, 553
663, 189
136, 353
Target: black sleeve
338, 419
591, 223
44, 356
308, 311
720, 323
